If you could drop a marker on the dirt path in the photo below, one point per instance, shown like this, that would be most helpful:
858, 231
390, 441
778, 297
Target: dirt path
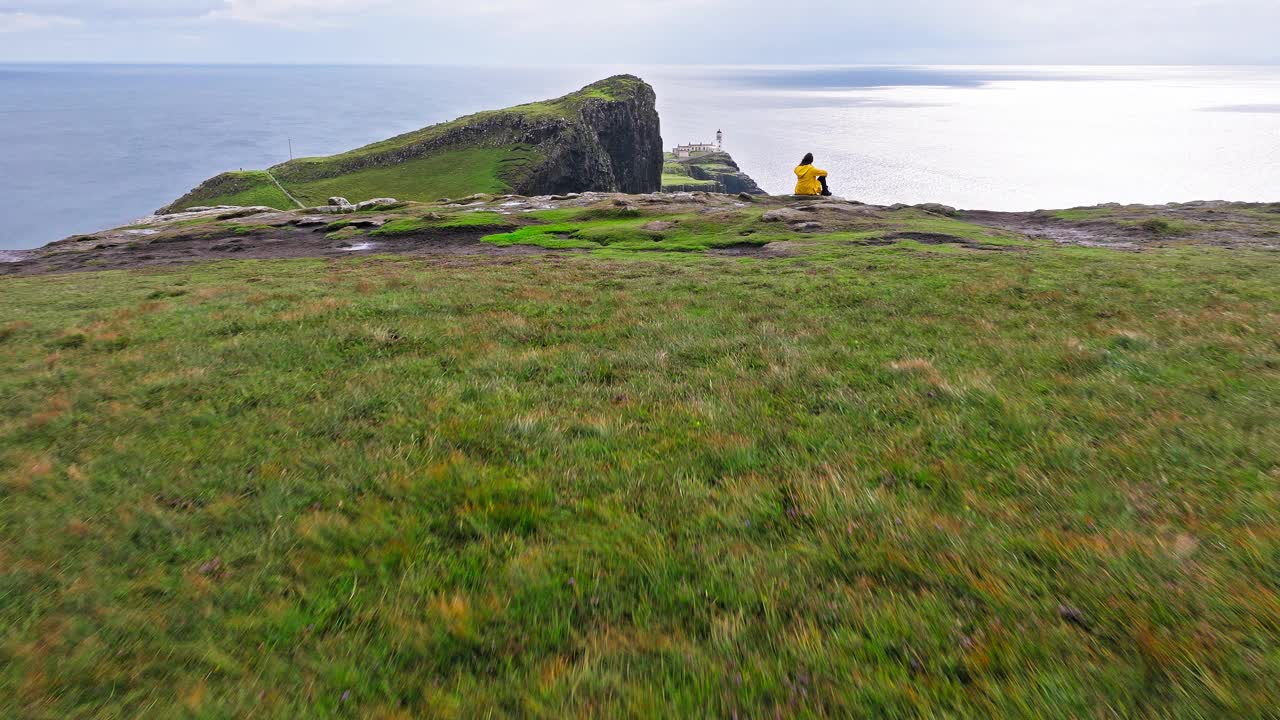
286, 192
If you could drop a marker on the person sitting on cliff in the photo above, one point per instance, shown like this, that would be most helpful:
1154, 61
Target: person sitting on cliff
809, 179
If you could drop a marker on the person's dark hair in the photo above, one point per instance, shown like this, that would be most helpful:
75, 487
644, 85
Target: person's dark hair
808, 159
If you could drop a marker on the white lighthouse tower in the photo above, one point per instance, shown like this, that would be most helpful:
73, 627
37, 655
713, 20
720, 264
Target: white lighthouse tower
719, 140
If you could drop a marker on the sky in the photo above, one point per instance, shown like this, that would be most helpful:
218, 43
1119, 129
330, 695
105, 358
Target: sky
547, 32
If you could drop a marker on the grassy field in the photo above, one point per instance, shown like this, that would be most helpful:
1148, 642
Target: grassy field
890, 480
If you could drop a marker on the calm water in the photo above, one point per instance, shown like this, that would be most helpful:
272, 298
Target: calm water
86, 147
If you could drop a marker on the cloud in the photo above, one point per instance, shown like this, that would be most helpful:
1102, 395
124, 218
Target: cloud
1262, 109
97, 10
301, 13
682, 31
16, 22
499, 16
506, 14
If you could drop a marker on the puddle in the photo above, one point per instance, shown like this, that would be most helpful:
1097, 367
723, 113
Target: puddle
359, 247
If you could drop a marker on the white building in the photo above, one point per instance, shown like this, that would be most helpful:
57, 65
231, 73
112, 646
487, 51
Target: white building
684, 151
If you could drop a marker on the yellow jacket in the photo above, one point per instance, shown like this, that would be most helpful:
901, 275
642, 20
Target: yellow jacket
807, 180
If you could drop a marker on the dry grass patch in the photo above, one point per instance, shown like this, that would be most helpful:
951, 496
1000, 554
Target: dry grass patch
54, 407
13, 328
314, 309
28, 469
923, 369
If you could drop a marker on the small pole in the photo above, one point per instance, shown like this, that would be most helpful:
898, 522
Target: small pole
290, 148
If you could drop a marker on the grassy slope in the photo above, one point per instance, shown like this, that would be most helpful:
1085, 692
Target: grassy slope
861, 481
451, 174
249, 188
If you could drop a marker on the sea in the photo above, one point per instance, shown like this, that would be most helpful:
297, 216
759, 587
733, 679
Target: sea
85, 147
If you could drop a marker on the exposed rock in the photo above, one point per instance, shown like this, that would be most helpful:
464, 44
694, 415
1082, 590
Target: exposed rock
686, 197
310, 221
746, 196
843, 208
237, 213
375, 203
807, 226
786, 214
221, 211
938, 209
658, 226
338, 202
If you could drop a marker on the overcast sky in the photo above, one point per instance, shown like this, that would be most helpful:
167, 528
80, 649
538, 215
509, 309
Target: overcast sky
544, 32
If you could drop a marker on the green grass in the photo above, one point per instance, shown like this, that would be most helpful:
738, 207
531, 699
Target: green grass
1167, 227
554, 237
624, 229
447, 174
1124, 217
409, 226
246, 188
670, 180
862, 482
240, 229
474, 220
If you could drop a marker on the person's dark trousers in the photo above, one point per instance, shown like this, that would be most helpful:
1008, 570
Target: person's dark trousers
825, 191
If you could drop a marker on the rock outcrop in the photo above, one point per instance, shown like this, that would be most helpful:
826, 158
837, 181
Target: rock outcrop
712, 172
603, 138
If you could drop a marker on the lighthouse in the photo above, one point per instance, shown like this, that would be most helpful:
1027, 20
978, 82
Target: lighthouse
719, 140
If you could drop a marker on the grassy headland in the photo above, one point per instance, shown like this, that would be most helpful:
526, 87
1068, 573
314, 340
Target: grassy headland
476, 153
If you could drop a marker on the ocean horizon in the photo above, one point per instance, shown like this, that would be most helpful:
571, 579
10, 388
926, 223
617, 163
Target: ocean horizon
94, 146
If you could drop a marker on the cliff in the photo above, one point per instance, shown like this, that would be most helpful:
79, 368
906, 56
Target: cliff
604, 137
712, 172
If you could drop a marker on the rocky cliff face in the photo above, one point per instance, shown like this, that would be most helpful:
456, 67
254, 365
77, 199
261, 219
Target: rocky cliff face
605, 137
721, 168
